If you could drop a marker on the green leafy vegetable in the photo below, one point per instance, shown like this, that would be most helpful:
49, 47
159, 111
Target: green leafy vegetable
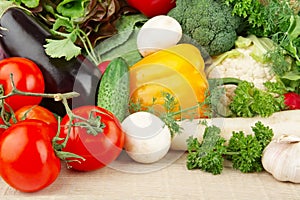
245, 151
83, 23
248, 158
64, 47
208, 22
122, 44
5, 5
250, 101
28, 3
72, 8
207, 155
278, 20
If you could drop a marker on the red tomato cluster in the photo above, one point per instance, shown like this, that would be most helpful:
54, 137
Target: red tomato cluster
29, 157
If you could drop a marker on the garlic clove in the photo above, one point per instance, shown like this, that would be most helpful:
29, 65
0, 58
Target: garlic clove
288, 139
281, 158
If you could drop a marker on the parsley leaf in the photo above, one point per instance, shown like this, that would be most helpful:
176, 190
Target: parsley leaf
63, 22
249, 148
62, 48
245, 151
207, 155
250, 101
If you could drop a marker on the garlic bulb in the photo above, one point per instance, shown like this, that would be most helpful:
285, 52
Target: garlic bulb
281, 158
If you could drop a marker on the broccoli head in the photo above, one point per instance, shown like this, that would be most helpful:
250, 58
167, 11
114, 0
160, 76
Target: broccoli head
210, 23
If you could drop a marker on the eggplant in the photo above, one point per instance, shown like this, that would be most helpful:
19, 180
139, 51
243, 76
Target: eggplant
24, 36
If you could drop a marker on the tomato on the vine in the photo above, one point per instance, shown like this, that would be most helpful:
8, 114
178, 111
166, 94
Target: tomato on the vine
99, 149
27, 77
28, 162
1, 124
37, 112
151, 8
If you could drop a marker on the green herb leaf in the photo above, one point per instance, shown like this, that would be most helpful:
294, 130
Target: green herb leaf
122, 44
5, 5
245, 151
62, 48
63, 22
250, 101
28, 3
277, 87
250, 151
207, 155
72, 8
263, 134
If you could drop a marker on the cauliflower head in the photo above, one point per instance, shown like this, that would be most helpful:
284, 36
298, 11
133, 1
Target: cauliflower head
245, 62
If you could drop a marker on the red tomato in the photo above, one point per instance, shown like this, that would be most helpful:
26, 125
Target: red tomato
152, 8
98, 150
37, 112
27, 77
27, 160
1, 123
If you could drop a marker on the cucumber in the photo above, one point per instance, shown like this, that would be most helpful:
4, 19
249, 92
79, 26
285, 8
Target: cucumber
113, 92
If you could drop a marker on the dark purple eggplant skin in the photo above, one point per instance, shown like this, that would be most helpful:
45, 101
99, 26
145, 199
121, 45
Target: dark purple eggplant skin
24, 36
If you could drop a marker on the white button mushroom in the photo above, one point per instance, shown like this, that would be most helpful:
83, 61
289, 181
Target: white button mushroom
147, 138
158, 33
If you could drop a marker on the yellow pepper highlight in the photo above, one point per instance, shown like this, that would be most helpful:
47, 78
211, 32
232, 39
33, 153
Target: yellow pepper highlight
179, 71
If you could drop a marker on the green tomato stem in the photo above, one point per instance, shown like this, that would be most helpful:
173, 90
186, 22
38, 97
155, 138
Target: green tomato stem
56, 97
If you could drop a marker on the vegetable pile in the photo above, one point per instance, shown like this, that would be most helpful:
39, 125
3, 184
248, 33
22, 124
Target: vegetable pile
82, 81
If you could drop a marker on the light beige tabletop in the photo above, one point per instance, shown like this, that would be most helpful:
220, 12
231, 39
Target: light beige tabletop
168, 179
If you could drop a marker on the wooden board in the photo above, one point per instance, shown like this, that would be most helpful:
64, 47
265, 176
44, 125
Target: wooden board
168, 179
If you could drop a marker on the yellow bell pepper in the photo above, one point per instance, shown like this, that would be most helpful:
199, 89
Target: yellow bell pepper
178, 70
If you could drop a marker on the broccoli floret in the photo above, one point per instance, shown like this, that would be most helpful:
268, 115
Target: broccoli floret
209, 22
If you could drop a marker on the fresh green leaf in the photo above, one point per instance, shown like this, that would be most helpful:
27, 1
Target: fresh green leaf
128, 22
292, 75
63, 22
62, 48
31, 3
27, 3
277, 87
250, 151
280, 21
294, 29
250, 101
126, 25
263, 134
4, 5
122, 44
207, 155
108, 47
72, 8
245, 151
